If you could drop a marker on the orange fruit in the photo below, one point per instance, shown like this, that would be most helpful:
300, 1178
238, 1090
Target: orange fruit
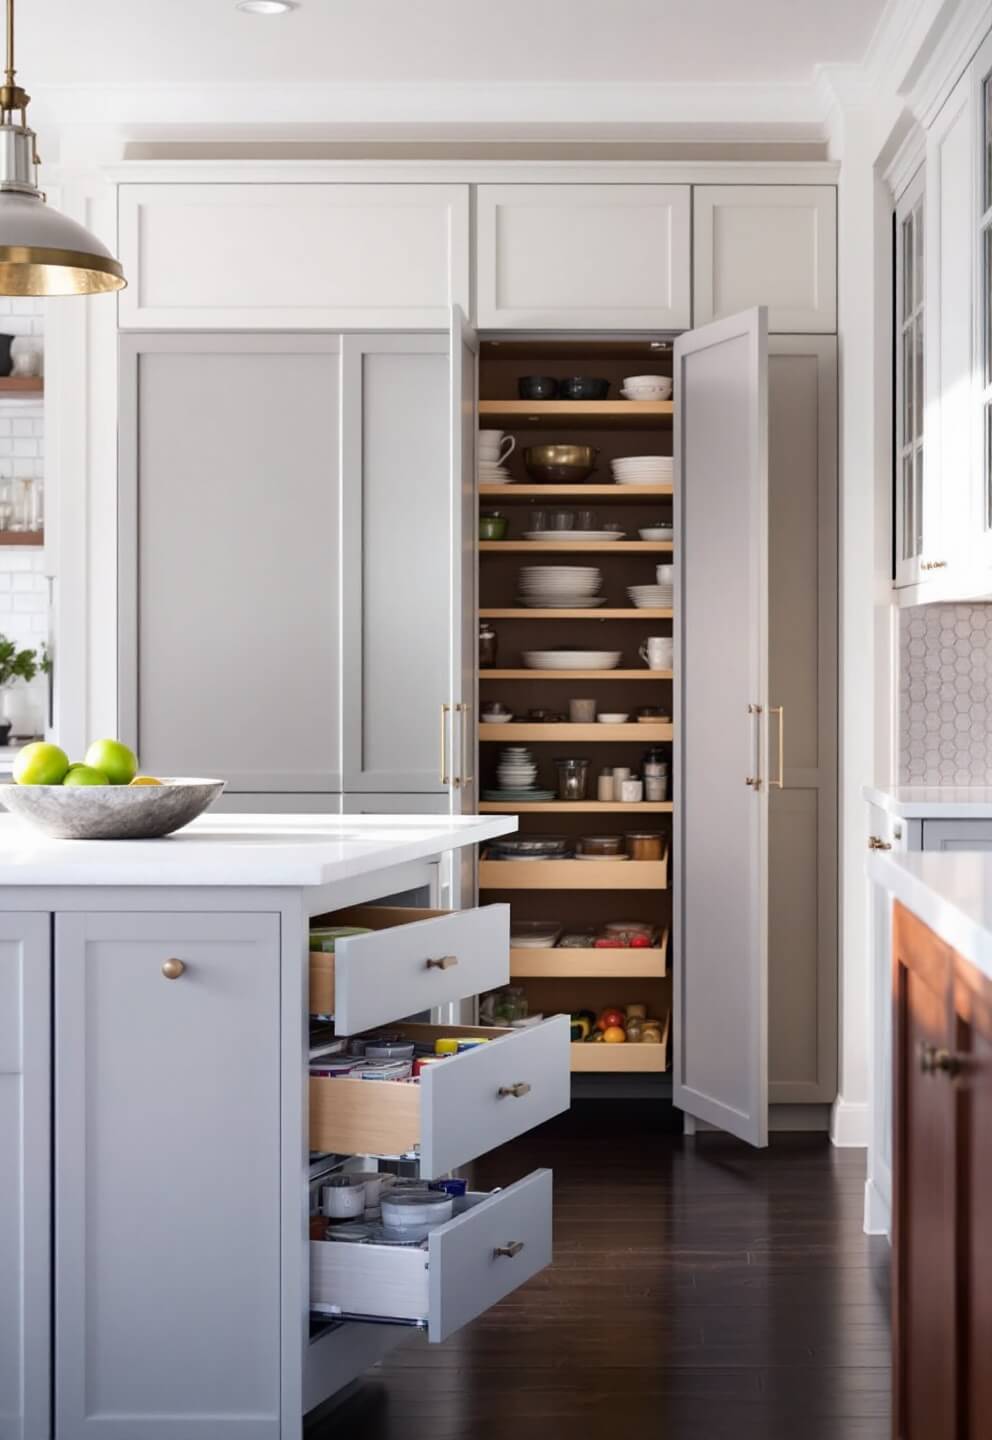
614, 1035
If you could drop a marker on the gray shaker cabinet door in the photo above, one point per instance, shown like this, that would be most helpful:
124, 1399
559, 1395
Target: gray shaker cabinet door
25, 1147
229, 574
396, 563
721, 738
167, 1271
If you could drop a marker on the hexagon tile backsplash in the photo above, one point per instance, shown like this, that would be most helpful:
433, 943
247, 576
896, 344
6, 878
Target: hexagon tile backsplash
945, 695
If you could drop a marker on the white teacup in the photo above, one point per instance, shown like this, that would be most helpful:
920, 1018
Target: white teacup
494, 446
658, 652
665, 574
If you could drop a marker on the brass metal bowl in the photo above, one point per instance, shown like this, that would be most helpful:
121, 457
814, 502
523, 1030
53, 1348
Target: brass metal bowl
560, 464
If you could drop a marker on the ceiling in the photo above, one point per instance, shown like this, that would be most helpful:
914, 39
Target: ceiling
72, 43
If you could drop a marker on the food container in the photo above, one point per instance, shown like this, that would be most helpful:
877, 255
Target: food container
493, 525
487, 644
534, 934
601, 844
631, 792
644, 844
324, 937
620, 773
470, 1042
636, 927
343, 1197
453, 1187
537, 387
605, 788
374, 1182
390, 1050
656, 787
384, 1070
504, 1006
582, 712
577, 940
573, 777
415, 1213
583, 387
636, 1012
446, 1045
422, 1062
350, 1234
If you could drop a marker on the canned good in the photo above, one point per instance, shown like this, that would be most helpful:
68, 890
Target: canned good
421, 1064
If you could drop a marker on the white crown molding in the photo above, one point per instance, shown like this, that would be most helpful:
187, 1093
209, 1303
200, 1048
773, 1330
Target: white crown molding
947, 58
907, 159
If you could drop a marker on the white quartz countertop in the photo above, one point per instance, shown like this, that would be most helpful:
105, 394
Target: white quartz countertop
951, 891
933, 802
293, 850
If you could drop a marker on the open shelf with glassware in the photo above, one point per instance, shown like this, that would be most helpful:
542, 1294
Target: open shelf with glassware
570, 595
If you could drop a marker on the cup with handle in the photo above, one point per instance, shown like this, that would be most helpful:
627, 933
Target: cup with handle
657, 652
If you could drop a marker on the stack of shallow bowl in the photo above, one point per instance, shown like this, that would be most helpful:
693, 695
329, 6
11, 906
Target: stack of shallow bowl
517, 768
651, 597
643, 469
560, 587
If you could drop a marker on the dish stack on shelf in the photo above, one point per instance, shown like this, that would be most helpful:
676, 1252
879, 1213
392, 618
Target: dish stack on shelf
566, 659
643, 469
560, 587
517, 774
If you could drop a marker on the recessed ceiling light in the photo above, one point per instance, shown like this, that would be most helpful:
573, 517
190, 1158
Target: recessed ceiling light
266, 7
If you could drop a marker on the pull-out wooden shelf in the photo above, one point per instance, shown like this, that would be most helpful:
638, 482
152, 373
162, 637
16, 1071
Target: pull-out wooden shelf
599, 547
625, 1059
584, 414
576, 807
573, 875
527, 674
521, 613
529, 492
516, 730
529, 963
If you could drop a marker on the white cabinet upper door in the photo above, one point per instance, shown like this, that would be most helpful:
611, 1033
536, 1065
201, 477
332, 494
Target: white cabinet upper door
396, 561
229, 537
720, 908
167, 1195
583, 257
771, 245
25, 1179
287, 256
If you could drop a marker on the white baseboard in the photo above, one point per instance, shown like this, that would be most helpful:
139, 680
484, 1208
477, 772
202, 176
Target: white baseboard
849, 1124
878, 1216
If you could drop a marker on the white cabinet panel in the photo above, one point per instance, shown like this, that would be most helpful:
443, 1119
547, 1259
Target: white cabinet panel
771, 245
396, 804
167, 1291
957, 834
25, 1206
583, 256
312, 257
290, 803
229, 534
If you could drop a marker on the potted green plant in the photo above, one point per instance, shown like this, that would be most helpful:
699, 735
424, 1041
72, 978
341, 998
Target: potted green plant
15, 665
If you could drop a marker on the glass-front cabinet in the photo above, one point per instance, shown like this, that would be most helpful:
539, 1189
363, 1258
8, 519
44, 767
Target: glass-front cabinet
914, 508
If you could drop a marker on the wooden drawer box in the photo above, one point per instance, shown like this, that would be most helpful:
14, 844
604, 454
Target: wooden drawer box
573, 874
473, 1261
460, 1109
414, 961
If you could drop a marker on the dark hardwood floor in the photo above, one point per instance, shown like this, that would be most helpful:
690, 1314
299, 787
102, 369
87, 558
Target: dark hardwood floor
701, 1291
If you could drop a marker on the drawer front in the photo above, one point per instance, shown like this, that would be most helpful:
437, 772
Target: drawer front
405, 969
464, 1113
471, 1263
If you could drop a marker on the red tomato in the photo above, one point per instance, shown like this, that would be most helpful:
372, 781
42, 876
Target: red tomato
610, 1018
640, 942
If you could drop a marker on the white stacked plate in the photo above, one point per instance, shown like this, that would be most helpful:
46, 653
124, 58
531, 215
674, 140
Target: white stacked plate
517, 768
569, 537
651, 597
492, 474
560, 587
643, 469
572, 659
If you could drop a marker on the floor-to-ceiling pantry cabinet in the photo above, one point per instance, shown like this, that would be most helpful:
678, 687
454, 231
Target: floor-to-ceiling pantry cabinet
299, 555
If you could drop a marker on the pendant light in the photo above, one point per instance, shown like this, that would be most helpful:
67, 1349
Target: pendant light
41, 251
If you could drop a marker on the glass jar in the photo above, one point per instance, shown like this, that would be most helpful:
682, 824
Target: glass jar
573, 778
488, 645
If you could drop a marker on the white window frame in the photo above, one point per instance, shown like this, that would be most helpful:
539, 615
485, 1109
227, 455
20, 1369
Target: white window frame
982, 91
910, 391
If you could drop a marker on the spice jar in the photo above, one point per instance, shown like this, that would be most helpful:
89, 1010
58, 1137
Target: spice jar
644, 844
488, 645
605, 788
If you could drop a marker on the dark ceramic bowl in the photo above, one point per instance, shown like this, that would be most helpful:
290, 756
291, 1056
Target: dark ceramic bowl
537, 387
583, 387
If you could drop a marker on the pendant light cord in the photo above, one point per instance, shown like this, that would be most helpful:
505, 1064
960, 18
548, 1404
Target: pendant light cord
10, 43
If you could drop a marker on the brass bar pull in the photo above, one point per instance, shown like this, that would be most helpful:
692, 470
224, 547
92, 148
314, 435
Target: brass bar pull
514, 1248
463, 708
779, 710
935, 1061
755, 780
445, 962
933, 565
520, 1088
875, 842
445, 712
172, 969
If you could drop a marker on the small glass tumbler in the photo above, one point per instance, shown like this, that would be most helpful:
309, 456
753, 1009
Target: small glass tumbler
573, 777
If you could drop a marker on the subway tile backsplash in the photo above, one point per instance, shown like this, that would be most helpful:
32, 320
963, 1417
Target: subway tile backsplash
945, 695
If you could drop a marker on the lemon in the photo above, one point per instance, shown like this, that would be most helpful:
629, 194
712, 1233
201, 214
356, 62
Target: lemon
145, 780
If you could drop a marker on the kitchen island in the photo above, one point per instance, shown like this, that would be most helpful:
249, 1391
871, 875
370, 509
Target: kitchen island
941, 977
159, 1126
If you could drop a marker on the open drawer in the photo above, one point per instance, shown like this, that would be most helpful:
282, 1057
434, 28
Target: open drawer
413, 961
496, 1243
460, 1109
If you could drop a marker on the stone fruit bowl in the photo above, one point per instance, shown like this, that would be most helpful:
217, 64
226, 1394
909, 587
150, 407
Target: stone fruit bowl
111, 812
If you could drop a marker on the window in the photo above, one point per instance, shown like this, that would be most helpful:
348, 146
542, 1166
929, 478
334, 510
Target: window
985, 240
909, 380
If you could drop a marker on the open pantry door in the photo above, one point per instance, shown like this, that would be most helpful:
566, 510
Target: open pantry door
460, 725
721, 746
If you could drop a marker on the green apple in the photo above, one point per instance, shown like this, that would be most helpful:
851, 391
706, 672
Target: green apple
80, 774
40, 764
116, 761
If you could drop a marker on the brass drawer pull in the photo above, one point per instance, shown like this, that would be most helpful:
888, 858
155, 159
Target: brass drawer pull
875, 842
444, 962
933, 565
172, 969
445, 712
779, 710
934, 1061
510, 1251
520, 1088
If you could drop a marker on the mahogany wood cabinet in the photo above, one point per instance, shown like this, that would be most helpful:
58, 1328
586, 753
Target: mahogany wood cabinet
942, 1286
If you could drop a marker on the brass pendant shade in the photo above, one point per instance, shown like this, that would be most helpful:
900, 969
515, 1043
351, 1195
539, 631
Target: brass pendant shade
41, 251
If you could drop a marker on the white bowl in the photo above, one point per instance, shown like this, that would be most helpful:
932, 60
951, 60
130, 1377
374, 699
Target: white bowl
489, 718
612, 719
572, 659
657, 532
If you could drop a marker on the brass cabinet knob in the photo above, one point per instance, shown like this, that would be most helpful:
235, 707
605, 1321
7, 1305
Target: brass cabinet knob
172, 969
510, 1250
936, 1061
520, 1088
444, 962
875, 842
933, 565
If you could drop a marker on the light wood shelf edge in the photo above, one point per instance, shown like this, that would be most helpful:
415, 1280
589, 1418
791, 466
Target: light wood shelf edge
600, 547
554, 964
575, 807
519, 613
575, 675
531, 491
587, 734
622, 1059
573, 874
